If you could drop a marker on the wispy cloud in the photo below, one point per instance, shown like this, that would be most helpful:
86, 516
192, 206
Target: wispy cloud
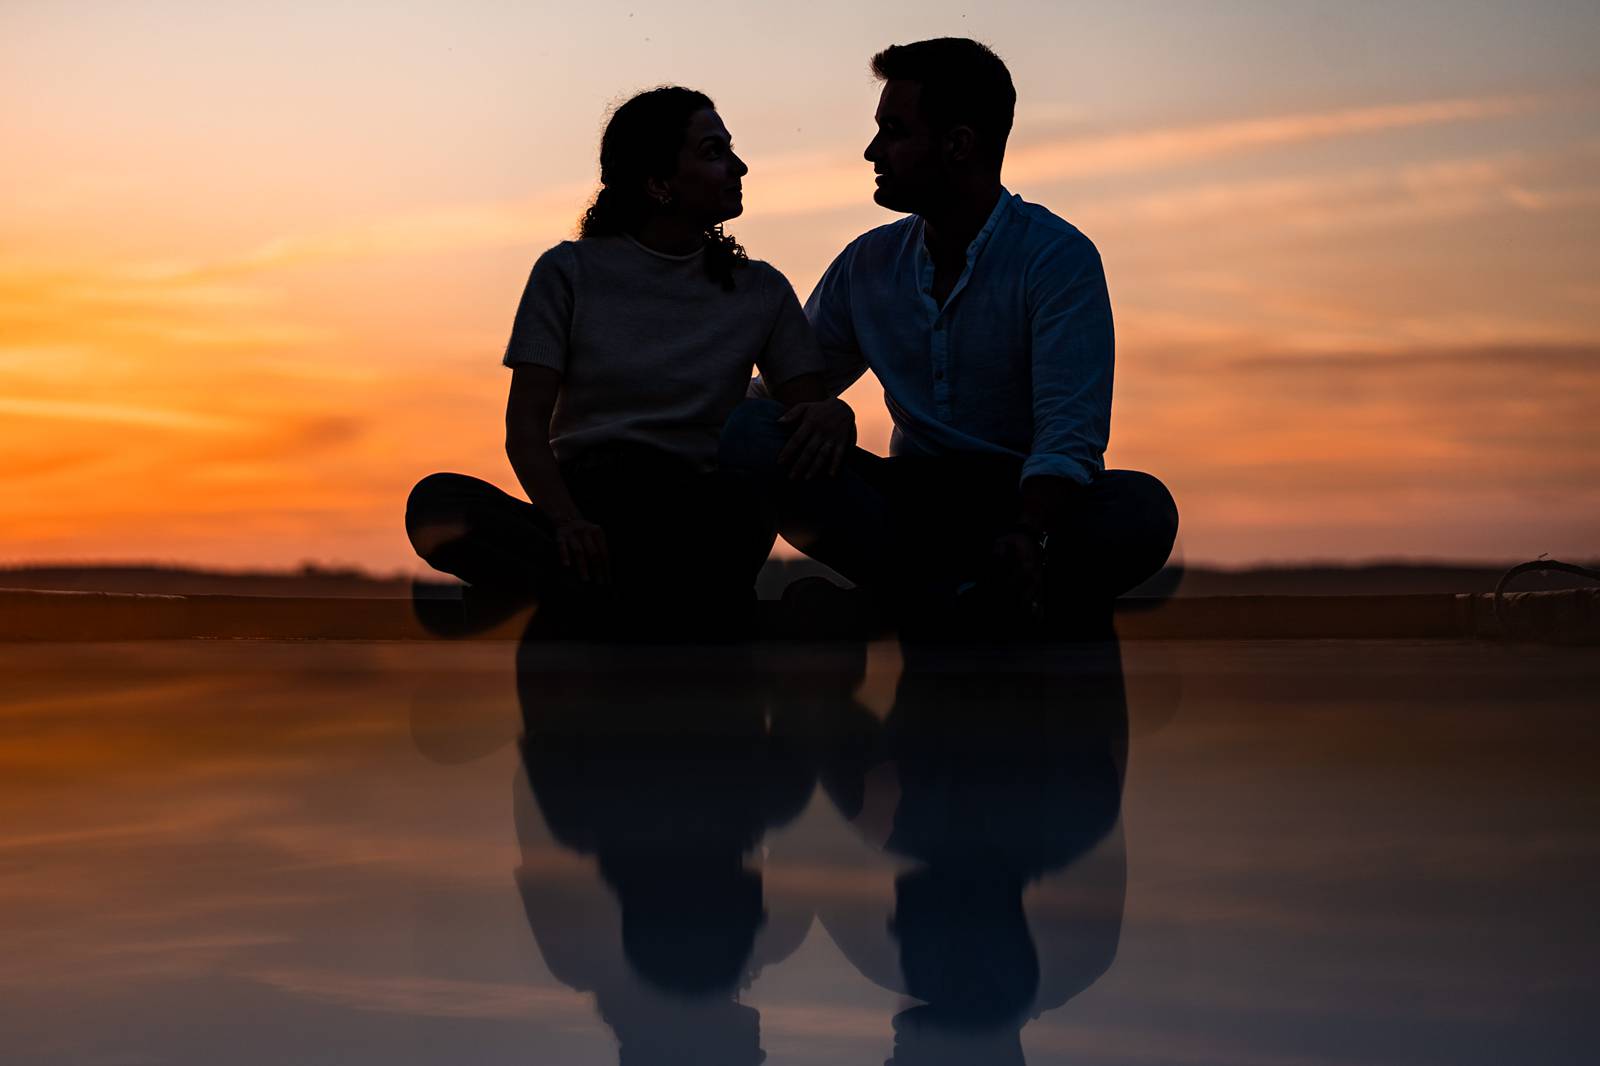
1391, 435
1370, 196
121, 414
807, 186
98, 304
495, 224
1140, 150
816, 183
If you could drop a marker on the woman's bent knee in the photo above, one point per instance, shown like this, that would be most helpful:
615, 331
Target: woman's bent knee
434, 514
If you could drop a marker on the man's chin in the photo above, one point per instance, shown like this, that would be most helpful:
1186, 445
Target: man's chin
886, 198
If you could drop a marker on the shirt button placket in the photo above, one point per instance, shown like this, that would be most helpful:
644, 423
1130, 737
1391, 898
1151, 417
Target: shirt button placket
941, 363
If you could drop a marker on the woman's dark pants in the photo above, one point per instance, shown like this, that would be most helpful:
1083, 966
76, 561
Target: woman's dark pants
671, 530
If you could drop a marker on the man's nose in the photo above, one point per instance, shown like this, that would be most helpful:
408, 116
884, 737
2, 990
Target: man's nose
871, 152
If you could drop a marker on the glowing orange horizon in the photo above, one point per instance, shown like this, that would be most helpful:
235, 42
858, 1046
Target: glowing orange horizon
1346, 329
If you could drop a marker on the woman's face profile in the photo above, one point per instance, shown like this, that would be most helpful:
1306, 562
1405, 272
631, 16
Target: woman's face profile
707, 186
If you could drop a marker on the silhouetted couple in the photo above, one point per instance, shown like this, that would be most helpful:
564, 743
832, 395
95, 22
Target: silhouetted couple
660, 472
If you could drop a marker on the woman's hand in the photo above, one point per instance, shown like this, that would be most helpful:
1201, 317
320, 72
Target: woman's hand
582, 547
824, 432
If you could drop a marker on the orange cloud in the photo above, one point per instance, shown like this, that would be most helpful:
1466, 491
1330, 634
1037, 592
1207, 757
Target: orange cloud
118, 414
1367, 197
1152, 149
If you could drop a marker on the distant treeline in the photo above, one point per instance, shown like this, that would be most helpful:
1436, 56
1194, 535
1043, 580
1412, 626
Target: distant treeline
1400, 578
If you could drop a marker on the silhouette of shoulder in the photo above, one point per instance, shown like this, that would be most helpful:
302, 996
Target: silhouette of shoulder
769, 280
562, 252
760, 269
1045, 241
760, 266
884, 240
554, 272
1046, 222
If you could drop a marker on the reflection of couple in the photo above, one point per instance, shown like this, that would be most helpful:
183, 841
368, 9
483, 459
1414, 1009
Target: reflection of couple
670, 787
656, 465
998, 777
994, 783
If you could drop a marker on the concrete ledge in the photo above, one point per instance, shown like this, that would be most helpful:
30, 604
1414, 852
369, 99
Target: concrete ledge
1569, 617
1289, 618
103, 616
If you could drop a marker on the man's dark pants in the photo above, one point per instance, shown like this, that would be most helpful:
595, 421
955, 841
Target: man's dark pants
916, 529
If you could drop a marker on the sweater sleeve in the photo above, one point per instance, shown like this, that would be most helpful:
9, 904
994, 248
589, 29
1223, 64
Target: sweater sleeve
791, 349
542, 331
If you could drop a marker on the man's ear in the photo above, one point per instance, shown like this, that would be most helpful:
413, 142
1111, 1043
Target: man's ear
960, 143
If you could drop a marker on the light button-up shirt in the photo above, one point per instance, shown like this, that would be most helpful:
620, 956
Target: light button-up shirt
1018, 360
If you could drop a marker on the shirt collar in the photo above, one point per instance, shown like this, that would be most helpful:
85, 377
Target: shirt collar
988, 229
974, 249
984, 233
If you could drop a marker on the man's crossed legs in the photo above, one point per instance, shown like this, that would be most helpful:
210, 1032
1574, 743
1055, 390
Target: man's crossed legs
915, 532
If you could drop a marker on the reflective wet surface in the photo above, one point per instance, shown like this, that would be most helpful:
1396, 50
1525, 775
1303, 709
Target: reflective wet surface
1186, 852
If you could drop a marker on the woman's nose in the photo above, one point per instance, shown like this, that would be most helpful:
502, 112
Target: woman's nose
740, 167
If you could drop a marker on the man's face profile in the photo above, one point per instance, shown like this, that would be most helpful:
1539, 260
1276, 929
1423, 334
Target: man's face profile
903, 151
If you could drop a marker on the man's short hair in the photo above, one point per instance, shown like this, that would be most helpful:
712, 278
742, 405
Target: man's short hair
963, 84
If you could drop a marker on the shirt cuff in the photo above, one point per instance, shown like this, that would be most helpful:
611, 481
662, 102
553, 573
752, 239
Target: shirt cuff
526, 356
1050, 464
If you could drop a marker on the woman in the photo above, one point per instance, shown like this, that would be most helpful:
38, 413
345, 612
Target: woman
631, 347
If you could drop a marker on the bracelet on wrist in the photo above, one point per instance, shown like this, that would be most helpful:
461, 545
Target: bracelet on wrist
1040, 537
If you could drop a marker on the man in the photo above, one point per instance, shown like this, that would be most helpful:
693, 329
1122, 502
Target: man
986, 319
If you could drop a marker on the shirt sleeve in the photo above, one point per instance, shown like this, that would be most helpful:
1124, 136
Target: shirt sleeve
1073, 355
791, 348
828, 310
542, 331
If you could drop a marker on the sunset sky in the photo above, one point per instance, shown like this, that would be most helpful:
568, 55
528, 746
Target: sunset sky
258, 262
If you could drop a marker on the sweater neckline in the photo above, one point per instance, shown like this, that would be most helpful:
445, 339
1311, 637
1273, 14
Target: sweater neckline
663, 255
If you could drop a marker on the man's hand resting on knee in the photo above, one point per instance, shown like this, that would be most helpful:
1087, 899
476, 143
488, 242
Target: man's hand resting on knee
1019, 556
824, 432
1020, 552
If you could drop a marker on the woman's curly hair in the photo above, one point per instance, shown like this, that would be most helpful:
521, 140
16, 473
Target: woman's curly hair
642, 140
